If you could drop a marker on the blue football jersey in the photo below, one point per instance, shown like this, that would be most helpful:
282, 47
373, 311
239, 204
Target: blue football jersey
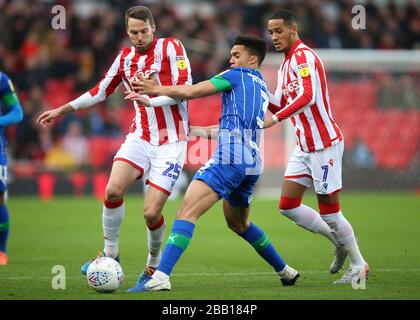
233, 170
10, 112
243, 107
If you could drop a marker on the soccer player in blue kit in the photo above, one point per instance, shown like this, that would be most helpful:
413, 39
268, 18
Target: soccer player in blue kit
234, 167
10, 113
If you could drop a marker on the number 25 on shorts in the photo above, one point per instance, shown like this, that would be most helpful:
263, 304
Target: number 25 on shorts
173, 170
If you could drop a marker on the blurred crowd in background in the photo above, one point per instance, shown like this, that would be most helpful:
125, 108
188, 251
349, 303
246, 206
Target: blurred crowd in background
50, 67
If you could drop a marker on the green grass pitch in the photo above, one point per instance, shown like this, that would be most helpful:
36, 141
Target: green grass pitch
218, 264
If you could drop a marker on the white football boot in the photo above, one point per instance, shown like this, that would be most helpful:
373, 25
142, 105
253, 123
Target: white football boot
354, 274
157, 285
288, 276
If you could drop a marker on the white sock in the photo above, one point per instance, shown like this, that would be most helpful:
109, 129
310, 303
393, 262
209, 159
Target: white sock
345, 236
155, 240
309, 219
111, 223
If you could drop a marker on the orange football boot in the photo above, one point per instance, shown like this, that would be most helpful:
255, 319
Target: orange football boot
3, 258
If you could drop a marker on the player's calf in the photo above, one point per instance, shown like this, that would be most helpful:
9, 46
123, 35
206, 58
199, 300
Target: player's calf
112, 216
155, 238
239, 227
305, 217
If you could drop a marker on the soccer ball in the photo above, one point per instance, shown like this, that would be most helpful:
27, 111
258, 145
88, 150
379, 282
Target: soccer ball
104, 274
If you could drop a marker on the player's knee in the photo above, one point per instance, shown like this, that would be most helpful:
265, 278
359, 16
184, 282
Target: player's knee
288, 203
114, 192
151, 213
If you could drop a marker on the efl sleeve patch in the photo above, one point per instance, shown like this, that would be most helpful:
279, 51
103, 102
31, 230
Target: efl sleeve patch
304, 70
181, 63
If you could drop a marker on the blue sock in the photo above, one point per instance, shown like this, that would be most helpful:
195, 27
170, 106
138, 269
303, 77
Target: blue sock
177, 243
259, 240
4, 227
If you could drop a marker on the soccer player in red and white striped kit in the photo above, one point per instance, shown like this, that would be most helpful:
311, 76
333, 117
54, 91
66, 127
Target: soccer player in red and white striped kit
302, 95
155, 147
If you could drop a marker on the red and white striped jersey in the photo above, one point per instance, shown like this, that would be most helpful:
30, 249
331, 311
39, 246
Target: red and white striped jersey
167, 61
303, 96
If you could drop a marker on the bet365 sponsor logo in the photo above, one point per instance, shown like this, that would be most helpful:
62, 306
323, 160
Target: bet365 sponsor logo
290, 87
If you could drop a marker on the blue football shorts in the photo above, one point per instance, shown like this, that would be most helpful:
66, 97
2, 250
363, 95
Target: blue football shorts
233, 180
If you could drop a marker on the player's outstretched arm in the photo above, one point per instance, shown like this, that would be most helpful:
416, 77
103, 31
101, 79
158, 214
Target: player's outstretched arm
99, 93
45, 118
13, 111
148, 102
15, 115
306, 81
209, 132
201, 89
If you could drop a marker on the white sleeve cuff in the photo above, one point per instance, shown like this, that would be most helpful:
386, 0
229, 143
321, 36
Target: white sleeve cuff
84, 101
275, 119
162, 101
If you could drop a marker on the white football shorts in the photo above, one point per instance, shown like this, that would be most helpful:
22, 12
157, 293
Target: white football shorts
160, 165
321, 168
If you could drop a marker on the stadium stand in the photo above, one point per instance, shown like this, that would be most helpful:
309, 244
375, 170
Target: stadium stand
51, 67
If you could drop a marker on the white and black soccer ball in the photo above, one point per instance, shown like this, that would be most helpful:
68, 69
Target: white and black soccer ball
104, 274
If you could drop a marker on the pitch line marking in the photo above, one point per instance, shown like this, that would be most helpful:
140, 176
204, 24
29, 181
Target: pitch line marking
218, 274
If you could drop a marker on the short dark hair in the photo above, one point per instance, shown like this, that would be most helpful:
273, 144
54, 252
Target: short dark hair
140, 13
256, 45
288, 16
